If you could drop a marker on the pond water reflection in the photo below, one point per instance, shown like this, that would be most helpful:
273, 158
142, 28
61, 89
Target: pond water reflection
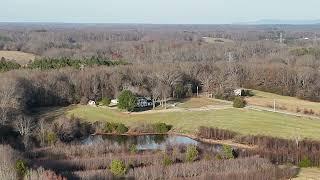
147, 142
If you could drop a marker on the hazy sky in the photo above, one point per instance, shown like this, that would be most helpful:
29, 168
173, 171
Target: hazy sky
156, 11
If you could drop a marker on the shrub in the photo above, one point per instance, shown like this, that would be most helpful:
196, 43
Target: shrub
84, 101
51, 138
305, 162
127, 100
8, 159
225, 94
161, 128
141, 128
109, 127
192, 153
133, 148
167, 161
239, 102
227, 152
118, 168
115, 127
121, 129
105, 101
248, 92
21, 168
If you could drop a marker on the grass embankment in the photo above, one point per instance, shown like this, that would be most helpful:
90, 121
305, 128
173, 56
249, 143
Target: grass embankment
244, 121
288, 103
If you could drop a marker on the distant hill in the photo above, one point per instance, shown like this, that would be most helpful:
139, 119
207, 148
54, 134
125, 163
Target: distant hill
289, 22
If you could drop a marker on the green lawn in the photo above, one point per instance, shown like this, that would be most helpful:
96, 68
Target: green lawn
244, 121
266, 99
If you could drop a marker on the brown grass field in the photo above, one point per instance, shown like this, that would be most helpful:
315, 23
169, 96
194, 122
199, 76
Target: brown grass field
18, 56
291, 104
308, 174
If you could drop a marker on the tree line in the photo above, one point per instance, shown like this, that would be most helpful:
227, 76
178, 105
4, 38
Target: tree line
47, 63
26, 89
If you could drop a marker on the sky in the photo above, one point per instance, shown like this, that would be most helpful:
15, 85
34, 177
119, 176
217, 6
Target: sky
157, 11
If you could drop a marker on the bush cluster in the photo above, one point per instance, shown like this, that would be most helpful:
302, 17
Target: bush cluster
105, 101
192, 153
305, 162
118, 168
21, 168
167, 160
150, 128
115, 128
227, 152
239, 102
8, 65
161, 127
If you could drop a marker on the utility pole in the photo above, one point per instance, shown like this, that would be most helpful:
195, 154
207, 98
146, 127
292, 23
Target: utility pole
197, 91
153, 104
230, 58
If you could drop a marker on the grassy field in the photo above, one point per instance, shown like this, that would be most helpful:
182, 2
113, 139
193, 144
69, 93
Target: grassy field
244, 121
283, 102
198, 103
308, 174
18, 56
212, 40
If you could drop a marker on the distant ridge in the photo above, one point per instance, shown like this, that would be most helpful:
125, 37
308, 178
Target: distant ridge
286, 22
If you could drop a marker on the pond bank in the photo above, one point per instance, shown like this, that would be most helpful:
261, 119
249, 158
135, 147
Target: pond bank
194, 137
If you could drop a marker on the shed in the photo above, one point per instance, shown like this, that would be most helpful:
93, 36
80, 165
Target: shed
92, 103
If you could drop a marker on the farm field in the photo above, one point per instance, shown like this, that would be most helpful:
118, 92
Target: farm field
244, 121
212, 40
287, 103
18, 56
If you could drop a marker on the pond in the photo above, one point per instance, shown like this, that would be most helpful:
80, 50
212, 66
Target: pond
148, 142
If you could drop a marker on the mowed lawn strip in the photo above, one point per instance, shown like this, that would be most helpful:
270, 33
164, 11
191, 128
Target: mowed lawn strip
199, 102
244, 121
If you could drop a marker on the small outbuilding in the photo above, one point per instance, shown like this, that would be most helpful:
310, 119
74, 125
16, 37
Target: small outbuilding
239, 92
92, 103
114, 101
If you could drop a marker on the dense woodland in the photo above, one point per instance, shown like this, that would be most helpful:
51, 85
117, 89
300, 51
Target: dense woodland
77, 62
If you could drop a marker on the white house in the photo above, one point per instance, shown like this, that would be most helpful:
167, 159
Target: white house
92, 103
239, 92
